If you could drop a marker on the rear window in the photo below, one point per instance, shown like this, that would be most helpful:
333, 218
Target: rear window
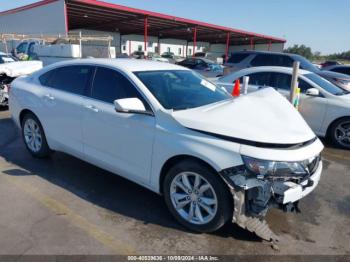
237, 58
73, 79
342, 70
272, 60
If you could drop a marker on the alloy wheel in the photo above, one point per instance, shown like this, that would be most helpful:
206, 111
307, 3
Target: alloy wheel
32, 135
193, 198
342, 133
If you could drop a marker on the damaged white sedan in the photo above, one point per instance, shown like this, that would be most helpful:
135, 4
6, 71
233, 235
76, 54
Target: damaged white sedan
214, 158
11, 68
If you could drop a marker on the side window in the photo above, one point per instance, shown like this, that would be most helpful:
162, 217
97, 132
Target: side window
259, 79
31, 49
22, 48
281, 81
200, 64
342, 70
110, 85
262, 60
45, 78
303, 85
73, 79
237, 58
284, 60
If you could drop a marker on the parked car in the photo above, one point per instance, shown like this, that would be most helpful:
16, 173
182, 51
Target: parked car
157, 57
203, 66
172, 58
241, 60
330, 63
172, 131
324, 106
211, 56
343, 69
11, 68
122, 55
138, 55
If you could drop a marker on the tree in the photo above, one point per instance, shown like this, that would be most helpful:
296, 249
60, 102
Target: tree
300, 50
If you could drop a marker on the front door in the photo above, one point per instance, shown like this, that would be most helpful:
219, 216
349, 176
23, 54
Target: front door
119, 142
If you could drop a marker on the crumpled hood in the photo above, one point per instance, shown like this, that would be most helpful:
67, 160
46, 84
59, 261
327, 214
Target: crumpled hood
330, 74
19, 68
264, 116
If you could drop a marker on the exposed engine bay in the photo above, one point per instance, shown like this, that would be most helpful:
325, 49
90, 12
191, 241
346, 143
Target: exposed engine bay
10, 71
254, 194
5, 82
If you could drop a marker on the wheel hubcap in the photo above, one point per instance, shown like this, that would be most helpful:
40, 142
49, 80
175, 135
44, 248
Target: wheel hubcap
32, 135
342, 133
193, 198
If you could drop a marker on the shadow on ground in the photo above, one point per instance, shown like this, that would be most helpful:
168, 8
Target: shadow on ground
100, 187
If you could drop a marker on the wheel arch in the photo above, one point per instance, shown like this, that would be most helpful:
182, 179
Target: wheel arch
23, 113
176, 159
333, 122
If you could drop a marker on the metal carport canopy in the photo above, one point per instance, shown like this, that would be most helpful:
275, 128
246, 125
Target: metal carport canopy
98, 15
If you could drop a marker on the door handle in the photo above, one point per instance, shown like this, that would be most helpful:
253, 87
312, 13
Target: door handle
49, 97
92, 108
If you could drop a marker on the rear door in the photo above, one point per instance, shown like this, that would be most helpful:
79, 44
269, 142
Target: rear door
119, 142
63, 99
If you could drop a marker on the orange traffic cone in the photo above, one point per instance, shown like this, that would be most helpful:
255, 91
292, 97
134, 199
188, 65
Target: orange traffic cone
236, 88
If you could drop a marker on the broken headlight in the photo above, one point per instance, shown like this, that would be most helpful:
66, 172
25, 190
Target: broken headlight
266, 168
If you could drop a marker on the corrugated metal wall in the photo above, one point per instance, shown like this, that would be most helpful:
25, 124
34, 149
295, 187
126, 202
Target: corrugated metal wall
45, 19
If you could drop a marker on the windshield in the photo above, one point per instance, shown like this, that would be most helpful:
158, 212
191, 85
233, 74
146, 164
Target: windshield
306, 64
181, 89
326, 85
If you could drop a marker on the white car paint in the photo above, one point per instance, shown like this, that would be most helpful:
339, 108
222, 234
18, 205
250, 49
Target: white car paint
137, 146
19, 68
319, 112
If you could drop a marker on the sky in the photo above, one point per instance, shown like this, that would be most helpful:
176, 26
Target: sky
321, 24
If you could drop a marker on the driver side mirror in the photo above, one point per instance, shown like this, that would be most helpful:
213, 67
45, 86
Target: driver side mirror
312, 92
130, 105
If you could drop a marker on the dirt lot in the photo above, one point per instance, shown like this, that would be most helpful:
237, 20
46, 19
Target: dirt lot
65, 206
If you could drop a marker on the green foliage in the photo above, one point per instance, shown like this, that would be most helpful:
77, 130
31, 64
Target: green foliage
342, 56
300, 50
307, 53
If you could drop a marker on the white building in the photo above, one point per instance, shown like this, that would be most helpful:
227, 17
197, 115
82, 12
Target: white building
132, 29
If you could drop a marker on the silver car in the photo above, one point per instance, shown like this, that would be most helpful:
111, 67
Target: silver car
245, 59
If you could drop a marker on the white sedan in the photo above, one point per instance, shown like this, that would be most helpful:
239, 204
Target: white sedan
324, 106
170, 130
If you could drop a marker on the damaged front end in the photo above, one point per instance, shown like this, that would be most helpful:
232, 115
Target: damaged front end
5, 82
259, 185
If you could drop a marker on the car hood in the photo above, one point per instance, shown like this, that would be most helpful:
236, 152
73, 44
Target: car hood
264, 117
330, 74
15, 69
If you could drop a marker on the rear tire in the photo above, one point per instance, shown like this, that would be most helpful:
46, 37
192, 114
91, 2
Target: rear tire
34, 137
340, 133
203, 192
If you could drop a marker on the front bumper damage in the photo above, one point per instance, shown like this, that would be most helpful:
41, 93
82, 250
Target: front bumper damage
253, 197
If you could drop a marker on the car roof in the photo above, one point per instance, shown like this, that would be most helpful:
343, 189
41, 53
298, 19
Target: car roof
131, 65
279, 69
336, 66
263, 52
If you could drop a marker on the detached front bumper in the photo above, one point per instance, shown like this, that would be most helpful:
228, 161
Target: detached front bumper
253, 197
293, 192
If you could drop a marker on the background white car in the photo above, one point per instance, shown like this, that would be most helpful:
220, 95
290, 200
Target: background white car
324, 106
165, 127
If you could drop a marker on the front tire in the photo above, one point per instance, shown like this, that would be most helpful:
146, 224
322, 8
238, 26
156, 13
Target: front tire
340, 133
34, 137
197, 197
